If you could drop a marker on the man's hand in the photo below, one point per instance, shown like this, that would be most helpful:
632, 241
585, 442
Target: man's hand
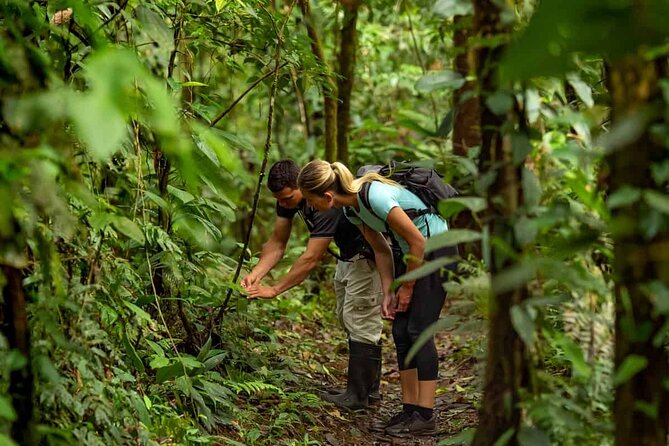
389, 306
249, 280
404, 295
261, 291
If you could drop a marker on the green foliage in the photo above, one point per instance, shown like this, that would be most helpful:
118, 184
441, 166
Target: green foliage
126, 209
558, 30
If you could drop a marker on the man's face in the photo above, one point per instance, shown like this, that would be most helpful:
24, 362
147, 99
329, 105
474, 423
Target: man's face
288, 197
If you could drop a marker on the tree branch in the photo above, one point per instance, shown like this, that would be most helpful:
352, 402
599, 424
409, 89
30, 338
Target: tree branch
251, 87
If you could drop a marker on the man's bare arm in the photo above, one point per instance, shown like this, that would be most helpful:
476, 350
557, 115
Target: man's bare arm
316, 249
272, 251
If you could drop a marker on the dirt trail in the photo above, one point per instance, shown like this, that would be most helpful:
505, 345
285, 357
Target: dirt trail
456, 397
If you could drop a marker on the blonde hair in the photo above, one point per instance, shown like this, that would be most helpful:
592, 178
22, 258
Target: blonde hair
319, 176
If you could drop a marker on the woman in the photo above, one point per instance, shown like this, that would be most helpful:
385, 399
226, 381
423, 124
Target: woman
416, 304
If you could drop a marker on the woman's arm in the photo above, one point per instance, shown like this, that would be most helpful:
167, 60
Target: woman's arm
402, 225
383, 257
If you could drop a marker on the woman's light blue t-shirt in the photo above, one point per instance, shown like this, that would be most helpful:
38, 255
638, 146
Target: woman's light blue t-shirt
384, 197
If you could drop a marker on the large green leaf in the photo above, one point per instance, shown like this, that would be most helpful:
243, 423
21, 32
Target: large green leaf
624, 196
141, 314
631, 365
426, 269
184, 196
559, 29
463, 438
129, 228
132, 353
7, 411
159, 362
450, 8
657, 200
170, 372
514, 276
451, 206
444, 323
190, 362
6, 441
532, 436
531, 188
213, 144
99, 123
572, 353
582, 89
500, 102
504, 439
416, 121
443, 80
521, 146
450, 238
100, 114
523, 323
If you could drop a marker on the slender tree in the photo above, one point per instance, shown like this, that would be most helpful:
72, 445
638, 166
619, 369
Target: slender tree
466, 113
499, 413
329, 88
348, 45
641, 263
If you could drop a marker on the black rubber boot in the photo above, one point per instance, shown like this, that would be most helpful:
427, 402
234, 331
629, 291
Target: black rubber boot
363, 365
374, 393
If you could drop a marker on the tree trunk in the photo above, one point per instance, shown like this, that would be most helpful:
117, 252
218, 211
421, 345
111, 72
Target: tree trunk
16, 331
329, 88
466, 113
641, 408
347, 56
506, 360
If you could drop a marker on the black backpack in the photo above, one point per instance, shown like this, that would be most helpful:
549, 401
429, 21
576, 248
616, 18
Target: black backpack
424, 182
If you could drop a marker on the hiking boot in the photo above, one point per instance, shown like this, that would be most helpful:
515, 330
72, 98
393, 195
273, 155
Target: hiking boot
380, 426
374, 395
363, 363
414, 425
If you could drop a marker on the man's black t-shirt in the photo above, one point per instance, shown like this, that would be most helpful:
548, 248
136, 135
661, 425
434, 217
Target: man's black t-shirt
330, 224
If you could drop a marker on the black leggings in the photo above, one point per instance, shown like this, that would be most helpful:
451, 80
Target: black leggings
426, 302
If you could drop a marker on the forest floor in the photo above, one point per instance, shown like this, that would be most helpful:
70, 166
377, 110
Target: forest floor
316, 348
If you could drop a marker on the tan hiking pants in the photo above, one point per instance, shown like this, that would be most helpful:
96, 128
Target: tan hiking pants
359, 297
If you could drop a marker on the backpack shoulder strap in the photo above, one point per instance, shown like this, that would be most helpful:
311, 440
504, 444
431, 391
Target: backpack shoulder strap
364, 198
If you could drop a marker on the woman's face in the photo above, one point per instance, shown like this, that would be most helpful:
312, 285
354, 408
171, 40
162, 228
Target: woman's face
319, 202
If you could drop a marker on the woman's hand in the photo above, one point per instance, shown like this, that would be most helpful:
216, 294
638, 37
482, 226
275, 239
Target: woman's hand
389, 306
404, 295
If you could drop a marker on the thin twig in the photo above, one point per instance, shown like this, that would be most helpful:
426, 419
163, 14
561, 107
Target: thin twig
251, 87
301, 105
177, 35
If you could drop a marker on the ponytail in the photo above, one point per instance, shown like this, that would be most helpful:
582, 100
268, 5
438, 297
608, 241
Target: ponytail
319, 176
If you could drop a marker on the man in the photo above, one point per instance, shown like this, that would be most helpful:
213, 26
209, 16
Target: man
357, 283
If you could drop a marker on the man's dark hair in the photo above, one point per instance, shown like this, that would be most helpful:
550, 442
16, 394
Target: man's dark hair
283, 174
